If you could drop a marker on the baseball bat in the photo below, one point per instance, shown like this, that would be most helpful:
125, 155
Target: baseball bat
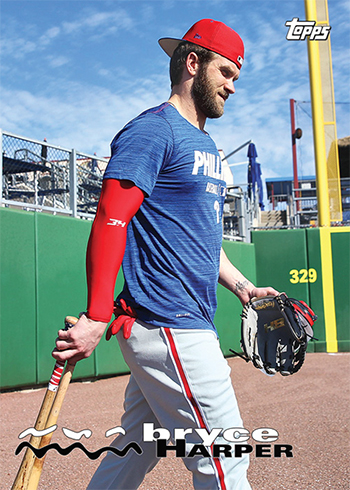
34, 477
25, 469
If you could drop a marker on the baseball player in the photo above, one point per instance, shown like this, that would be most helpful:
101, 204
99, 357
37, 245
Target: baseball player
160, 212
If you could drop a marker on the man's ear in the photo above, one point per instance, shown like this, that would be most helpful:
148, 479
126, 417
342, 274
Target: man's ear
192, 64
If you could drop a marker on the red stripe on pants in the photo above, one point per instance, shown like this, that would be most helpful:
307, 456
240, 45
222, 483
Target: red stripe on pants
192, 400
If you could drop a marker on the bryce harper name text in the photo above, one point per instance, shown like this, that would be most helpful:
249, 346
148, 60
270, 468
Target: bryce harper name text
201, 442
236, 435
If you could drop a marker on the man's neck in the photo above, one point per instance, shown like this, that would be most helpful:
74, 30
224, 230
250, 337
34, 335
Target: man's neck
183, 102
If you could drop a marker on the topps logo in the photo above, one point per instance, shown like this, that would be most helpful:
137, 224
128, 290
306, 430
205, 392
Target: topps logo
299, 30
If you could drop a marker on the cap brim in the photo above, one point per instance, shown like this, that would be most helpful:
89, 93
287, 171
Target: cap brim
169, 44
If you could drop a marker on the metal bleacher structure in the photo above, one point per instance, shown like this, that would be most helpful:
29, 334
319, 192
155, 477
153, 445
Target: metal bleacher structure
297, 208
38, 176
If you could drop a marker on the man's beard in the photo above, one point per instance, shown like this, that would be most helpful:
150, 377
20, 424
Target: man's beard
205, 96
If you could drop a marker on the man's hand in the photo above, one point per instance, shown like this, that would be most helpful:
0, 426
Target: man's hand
260, 292
78, 342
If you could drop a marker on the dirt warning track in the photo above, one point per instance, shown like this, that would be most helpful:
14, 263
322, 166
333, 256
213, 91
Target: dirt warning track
310, 411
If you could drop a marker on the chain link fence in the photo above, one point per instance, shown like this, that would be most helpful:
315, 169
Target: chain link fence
235, 219
38, 176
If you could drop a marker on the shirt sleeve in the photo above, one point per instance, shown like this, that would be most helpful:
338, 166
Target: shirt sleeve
140, 150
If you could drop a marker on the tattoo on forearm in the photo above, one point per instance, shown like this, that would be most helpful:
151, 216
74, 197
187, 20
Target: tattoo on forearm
241, 286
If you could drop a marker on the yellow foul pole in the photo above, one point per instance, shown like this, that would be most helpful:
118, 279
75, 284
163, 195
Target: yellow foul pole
322, 183
317, 121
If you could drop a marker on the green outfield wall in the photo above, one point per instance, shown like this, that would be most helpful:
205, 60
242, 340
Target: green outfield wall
313, 265
42, 260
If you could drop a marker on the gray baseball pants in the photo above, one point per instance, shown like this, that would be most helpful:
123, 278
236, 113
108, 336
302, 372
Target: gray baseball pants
179, 379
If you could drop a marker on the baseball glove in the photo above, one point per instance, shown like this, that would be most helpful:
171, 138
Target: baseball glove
275, 331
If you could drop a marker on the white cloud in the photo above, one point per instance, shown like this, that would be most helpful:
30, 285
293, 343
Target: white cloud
106, 21
17, 48
84, 117
57, 61
104, 72
97, 24
49, 35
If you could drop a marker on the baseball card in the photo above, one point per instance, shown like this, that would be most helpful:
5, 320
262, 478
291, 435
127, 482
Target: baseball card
175, 235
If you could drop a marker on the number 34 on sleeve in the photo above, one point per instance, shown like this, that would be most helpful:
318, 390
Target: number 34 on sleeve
302, 276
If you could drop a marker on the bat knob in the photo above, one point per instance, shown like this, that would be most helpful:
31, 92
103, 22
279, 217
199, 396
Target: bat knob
70, 321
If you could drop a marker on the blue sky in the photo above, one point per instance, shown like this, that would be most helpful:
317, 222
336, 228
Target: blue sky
76, 71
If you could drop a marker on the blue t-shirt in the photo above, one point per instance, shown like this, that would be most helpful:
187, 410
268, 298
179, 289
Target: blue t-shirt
171, 262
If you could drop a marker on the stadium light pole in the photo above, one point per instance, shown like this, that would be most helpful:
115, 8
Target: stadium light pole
296, 134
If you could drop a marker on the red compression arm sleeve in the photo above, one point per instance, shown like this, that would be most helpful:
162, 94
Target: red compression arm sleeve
119, 201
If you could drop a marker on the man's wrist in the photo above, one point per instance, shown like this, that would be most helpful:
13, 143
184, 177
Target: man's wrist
95, 318
243, 290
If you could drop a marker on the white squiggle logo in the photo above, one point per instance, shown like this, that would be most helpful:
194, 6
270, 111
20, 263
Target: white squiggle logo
37, 433
76, 435
69, 433
115, 430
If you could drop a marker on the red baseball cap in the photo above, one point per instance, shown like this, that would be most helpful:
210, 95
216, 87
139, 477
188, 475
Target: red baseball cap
212, 35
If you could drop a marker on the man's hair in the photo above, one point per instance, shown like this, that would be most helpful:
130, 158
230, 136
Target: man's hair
178, 59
